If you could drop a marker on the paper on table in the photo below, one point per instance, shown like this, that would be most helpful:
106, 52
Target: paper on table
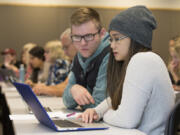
21, 117
61, 115
176, 92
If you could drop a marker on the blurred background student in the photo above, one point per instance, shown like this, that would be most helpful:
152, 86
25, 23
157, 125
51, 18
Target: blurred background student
174, 64
66, 41
172, 40
10, 60
26, 59
59, 68
70, 51
40, 68
59, 62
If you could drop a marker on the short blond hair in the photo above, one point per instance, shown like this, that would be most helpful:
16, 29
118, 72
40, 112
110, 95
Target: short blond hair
26, 48
56, 50
176, 49
83, 15
67, 34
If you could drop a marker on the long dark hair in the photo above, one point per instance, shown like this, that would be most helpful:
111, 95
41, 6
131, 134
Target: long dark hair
116, 73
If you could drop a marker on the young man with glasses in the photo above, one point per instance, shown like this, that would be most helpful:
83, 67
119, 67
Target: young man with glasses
87, 80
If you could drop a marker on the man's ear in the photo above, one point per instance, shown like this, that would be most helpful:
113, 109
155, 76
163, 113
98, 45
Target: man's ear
102, 32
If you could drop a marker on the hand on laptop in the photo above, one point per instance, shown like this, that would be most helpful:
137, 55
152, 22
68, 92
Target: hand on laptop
89, 115
81, 95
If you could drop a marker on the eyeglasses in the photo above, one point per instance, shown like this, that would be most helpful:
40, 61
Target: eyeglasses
117, 39
87, 37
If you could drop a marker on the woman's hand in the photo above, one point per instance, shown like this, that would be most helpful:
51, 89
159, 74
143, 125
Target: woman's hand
89, 115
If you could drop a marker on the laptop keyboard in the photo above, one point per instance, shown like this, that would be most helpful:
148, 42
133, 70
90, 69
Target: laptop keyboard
66, 123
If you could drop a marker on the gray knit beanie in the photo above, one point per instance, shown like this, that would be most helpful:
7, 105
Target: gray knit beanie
137, 23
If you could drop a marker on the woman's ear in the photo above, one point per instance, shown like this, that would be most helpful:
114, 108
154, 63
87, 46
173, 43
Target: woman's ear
102, 32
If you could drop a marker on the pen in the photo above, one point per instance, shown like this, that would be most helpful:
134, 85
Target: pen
70, 114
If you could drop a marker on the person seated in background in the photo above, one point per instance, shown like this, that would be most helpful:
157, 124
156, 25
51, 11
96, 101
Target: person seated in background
68, 47
25, 57
172, 40
59, 68
140, 92
37, 59
70, 51
59, 62
87, 79
10, 60
174, 64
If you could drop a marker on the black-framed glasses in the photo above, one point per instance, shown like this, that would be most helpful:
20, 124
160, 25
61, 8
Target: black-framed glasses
117, 39
87, 37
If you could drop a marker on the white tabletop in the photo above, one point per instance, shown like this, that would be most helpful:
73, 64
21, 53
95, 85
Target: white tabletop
32, 126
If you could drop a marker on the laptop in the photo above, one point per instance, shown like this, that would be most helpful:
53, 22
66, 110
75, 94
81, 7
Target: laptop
6, 73
57, 124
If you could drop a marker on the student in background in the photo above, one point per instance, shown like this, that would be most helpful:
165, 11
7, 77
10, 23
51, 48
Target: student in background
87, 79
70, 51
174, 64
10, 60
37, 59
59, 68
138, 83
66, 41
172, 40
26, 59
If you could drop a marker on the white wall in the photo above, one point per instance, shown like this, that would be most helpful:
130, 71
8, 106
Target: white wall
170, 4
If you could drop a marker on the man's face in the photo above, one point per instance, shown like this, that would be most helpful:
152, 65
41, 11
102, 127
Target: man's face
68, 47
86, 48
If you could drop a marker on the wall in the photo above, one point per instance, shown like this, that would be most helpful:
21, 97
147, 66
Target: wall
21, 23
170, 4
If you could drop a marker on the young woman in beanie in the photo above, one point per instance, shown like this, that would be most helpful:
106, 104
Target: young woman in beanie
139, 90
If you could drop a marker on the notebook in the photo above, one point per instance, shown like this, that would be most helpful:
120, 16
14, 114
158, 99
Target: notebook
54, 123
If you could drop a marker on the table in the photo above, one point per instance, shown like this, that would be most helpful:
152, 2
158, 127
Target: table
29, 127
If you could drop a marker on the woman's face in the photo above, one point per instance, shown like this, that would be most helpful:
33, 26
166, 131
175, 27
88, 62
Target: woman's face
120, 45
47, 55
175, 58
35, 62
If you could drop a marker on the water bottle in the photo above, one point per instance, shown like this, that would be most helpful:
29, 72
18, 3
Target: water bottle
21, 73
